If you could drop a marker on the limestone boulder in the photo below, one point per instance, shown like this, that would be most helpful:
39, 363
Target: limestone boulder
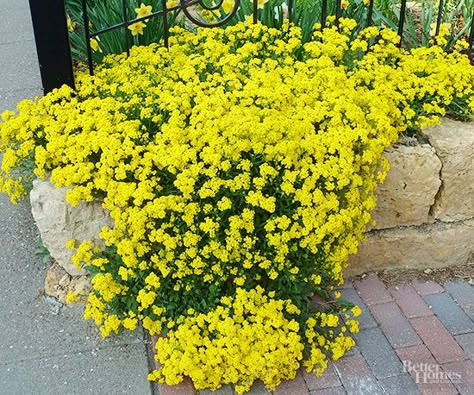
58, 222
410, 188
417, 247
454, 145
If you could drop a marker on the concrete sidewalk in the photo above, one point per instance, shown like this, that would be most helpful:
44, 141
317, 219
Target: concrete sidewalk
45, 349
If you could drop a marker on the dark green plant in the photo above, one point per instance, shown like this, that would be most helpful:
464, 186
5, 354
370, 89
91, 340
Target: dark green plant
43, 252
105, 13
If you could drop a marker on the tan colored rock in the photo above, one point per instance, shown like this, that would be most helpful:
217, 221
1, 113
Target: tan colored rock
454, 145
58, 283
410, 188
436, 245
51, 283
65, 280
58, 222
80, 285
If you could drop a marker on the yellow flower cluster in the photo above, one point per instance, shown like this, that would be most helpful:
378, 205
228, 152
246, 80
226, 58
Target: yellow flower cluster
249, 337
239, 168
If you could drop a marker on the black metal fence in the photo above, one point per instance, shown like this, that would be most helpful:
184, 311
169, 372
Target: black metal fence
54, 53
52, 43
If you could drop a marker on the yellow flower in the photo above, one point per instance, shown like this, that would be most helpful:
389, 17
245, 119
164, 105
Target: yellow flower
356, 310
145, 298
345, 4
70, 24
153, 280
143, 10
172, 3
224, 204
228, 5
261, 3
137, 28
71, 244
444, 31
71, 297
130, 323
95, 44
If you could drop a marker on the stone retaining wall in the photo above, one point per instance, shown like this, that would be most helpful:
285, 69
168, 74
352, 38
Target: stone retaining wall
425, 209
424, 218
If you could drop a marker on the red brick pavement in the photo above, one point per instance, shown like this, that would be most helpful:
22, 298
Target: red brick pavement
410, 302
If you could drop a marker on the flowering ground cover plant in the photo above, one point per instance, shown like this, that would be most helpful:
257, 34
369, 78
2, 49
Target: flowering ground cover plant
239, 167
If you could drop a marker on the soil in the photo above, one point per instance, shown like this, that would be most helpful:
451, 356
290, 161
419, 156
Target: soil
396, 277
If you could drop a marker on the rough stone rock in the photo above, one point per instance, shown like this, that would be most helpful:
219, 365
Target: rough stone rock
454, 145
80, 285
58, 283
434, 245
65, 280
51, 283
410, 188
58, 222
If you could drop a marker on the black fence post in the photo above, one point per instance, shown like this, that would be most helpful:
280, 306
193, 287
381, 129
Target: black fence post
52, 43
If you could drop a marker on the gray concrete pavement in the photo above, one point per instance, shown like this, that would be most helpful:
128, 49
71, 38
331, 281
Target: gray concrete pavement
19, 70
43, 349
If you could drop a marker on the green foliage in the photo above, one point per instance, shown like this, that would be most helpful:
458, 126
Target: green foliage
43, 252
421, 17
418, 31
106, 13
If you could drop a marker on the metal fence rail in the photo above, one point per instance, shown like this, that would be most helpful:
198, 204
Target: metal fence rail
50, 25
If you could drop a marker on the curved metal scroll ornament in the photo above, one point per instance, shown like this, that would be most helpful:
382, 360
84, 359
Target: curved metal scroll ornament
185, 4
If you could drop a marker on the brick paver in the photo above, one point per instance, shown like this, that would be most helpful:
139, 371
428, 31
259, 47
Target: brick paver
398, 385
463, 294
184, 388
353, 351
356, 376
330, 391
365, 320
450, 314
461, 375
438, 340
297, 386
466, 341
328, 379
410, 302
427, 287
258, 388
418, 361
414, 354
347, 284
372, 290
224, 390
378, 353
395, 325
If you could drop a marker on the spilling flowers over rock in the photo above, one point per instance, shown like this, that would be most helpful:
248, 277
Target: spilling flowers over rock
239, 167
